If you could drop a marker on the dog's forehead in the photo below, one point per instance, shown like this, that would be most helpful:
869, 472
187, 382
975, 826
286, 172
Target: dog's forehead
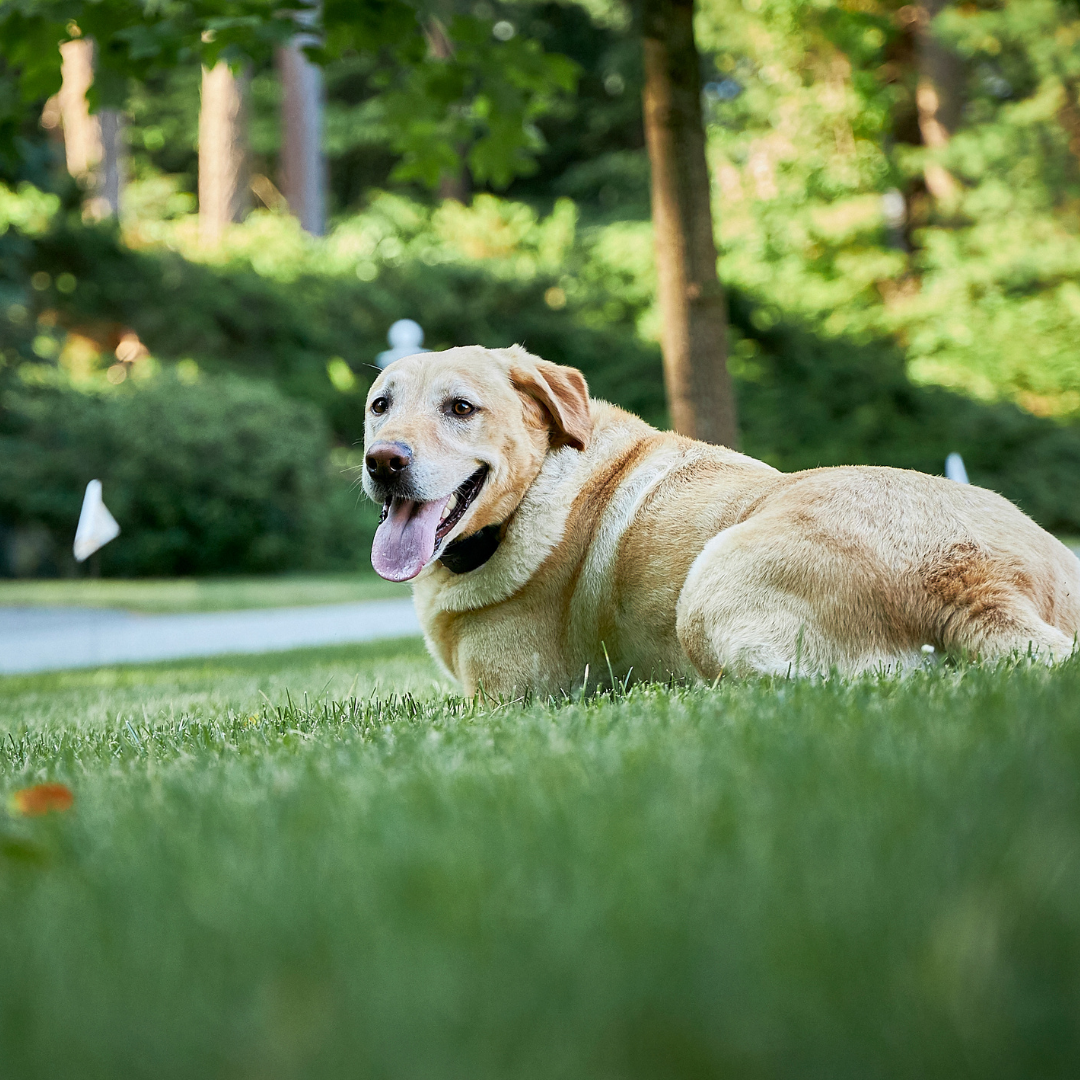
435, 373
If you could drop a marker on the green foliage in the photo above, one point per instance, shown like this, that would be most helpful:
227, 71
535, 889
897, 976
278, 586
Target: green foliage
218, 476
24, 216
284, 306
303, 313
811, 114
486, 95
999, 310
373, 113
807, 400
595, 138
819, 120
162, 132
135, 39
358, 876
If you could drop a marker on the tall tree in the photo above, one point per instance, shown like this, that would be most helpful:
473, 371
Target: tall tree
82, 131
485, 99
92, 142
111, 176
451, 185
938, 95
223, 176
693, 308
303, 169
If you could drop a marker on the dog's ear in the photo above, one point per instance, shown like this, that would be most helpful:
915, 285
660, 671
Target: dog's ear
564, 395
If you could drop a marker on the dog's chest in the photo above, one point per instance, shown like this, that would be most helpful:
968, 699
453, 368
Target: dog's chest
504, 648
576, 614
600, 591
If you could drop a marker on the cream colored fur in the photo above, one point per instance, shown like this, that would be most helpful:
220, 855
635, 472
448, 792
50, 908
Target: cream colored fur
664, 556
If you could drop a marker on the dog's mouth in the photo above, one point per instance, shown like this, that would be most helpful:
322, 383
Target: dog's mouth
410, 532
459, 502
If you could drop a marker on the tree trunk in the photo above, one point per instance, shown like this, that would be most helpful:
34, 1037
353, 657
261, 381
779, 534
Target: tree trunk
82, 132
111, 175
440, 46
939, 96
93, 144
693, 309
223, 180
302, 170
1069, 114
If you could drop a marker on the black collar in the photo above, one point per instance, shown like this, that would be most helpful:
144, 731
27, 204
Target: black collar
472, 551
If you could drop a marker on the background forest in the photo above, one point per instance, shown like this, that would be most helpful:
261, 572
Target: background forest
903, 274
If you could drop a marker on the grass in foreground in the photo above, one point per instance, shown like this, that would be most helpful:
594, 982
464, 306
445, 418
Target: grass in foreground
168, 595
851, 879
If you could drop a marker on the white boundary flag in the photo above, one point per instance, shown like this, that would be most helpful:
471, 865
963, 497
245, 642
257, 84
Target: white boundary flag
954, 469
96, 525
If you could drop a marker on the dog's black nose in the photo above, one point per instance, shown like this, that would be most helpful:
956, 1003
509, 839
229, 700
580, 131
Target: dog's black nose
387, 461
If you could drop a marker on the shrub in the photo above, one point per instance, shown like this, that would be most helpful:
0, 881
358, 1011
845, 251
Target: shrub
283, 307
288, 323
226, 475
806, 400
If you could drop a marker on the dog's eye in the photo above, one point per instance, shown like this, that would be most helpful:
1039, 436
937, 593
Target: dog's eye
461, 407
379, 406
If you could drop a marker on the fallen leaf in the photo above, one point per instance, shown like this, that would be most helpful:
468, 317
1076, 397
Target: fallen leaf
41, 799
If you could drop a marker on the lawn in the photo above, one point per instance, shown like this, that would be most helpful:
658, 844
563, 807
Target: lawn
168, 595
321, 864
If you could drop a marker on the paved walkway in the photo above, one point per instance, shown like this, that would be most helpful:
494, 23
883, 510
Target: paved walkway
50, 639
54, 638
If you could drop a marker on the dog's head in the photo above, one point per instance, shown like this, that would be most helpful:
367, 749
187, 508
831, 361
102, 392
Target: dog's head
452, 441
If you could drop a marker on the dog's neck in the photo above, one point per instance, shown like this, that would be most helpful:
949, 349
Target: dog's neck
536, 526
471, 552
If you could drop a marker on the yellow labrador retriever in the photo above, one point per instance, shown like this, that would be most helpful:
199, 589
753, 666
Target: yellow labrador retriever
546, 531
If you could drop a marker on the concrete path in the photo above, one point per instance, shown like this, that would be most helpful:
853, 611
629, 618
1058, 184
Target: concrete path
54, 638
50, 639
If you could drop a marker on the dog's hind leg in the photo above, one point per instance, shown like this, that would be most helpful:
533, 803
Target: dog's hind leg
766, 598
1036, 638
755, 605
1009, 627
986, 606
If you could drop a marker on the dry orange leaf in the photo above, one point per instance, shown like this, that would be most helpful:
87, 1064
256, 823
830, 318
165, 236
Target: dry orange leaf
42, 799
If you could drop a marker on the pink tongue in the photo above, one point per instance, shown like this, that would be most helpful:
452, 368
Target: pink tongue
405, 541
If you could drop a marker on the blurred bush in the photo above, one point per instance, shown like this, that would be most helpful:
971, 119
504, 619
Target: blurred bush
230, 473
807, 399
274, 303
223, 475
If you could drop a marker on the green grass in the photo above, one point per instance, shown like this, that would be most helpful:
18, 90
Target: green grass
200, 594
320, 864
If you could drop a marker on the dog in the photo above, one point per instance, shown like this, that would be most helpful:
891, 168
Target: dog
549, 534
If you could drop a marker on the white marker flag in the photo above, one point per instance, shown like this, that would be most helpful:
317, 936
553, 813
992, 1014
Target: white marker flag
96, 525
954, 469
